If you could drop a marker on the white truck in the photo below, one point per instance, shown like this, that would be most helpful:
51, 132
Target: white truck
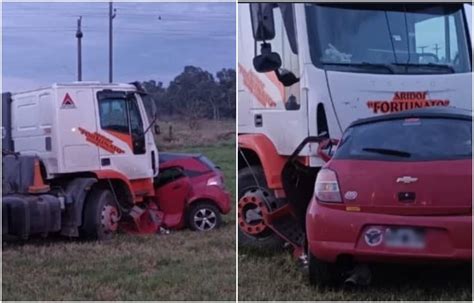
77, 159
306, 71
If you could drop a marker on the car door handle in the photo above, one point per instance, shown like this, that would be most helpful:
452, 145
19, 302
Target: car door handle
177, 186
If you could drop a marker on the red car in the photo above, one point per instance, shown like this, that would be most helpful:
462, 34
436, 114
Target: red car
192, 192
397, 189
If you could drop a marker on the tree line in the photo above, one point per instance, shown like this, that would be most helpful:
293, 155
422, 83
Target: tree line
195, 94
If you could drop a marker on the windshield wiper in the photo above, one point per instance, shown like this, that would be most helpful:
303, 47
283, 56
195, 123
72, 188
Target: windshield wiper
385, 151
428, 65
362, 65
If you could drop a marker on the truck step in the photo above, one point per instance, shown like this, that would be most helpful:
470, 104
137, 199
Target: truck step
290, 229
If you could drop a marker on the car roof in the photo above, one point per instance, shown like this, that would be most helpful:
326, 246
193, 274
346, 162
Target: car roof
427, 112
165, 157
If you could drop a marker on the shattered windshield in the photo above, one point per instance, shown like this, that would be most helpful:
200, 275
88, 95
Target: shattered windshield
389, 37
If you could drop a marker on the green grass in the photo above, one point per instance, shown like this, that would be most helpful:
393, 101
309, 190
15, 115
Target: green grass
183, 265
277, 276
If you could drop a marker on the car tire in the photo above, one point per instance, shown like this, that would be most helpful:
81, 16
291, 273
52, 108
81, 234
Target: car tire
100, 221
203, 216
246, 181
322, 273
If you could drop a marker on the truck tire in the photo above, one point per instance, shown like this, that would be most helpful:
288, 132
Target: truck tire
100, 221
268, 240
203, 216
322, 273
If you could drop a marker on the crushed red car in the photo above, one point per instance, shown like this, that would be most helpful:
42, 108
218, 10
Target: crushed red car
398, 188
190, 192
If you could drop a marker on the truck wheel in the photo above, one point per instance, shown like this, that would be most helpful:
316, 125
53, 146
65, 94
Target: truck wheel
204, 216
322, 273
265, 239
100, 221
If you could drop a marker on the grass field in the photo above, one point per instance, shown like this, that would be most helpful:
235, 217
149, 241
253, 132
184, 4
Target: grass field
183, 265
276, 276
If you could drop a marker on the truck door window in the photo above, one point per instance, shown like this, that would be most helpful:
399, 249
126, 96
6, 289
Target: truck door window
113, 115
119, 114
136, 128
287, 48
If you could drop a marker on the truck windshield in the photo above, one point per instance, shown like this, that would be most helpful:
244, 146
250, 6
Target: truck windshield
389, 38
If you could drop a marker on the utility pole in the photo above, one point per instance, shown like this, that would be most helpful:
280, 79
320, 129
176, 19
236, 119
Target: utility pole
79, 49
437, 48
422, 48
111, 18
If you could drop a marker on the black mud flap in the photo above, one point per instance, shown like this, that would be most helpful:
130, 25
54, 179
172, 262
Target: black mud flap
298, 181
75, 194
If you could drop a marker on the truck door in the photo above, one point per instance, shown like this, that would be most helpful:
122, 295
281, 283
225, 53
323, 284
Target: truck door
123, 144
269, 101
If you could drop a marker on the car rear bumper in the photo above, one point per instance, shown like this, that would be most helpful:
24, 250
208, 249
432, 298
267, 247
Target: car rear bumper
336, 232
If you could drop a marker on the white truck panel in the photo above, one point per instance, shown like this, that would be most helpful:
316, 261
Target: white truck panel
76, 154
32, 121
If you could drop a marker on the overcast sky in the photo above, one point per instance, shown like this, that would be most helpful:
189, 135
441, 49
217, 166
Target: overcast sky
39, 44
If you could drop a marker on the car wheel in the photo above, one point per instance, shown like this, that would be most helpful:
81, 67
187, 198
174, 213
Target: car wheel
204, 216
322, 273
101, 216
266, 239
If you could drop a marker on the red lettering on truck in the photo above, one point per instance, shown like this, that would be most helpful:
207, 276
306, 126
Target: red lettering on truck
404, 101
101, 141
256, 87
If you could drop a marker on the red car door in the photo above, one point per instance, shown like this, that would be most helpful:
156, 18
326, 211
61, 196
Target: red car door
172, 190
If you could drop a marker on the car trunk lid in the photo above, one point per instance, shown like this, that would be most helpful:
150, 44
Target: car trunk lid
407, 188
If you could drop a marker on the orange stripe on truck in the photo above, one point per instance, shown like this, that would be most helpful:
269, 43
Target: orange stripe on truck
127, 138
272, 76
256, 87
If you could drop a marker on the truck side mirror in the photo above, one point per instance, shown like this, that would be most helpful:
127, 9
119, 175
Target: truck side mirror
286, 77
267, 61
157, 129
263, 25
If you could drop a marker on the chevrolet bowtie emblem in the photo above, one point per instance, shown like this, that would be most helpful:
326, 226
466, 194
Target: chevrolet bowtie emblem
406, 179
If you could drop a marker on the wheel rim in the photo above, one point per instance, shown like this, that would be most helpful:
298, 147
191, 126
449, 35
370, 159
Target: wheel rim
205, 219
251, 208
109, 219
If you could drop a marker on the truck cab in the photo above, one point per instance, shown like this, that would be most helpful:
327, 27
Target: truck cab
85, 127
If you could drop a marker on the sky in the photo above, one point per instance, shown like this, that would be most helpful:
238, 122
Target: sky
40, 47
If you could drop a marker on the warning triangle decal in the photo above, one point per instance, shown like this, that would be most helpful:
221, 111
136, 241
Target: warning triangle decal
67, 102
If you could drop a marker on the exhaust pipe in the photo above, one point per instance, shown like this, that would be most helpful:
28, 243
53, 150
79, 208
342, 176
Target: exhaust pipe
360, 275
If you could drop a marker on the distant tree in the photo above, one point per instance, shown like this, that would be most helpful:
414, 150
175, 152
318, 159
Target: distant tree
227, 82
195, 94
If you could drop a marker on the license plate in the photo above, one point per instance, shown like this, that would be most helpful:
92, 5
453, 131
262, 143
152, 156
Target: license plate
405, 237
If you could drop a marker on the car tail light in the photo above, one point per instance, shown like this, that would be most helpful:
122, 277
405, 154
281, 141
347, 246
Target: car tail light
215, 181
326, 188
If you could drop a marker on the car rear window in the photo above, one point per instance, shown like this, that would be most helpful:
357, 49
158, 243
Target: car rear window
412, 139
208, 163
